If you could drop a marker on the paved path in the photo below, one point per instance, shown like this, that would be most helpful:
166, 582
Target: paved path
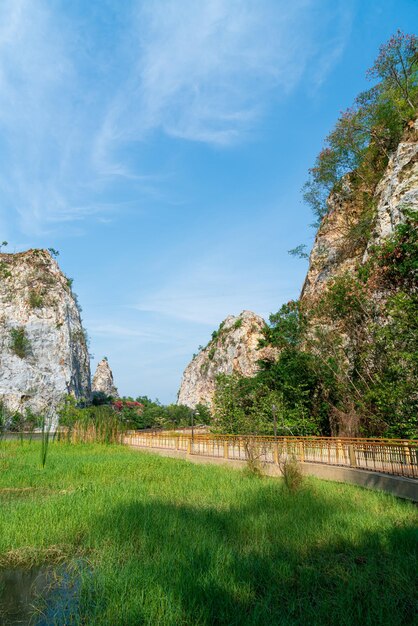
396, 485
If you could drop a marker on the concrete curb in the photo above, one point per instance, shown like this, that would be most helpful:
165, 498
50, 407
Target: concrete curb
398, 486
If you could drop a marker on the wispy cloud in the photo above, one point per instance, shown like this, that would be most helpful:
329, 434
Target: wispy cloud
50, 112
203, 71
210, 291
71, 104
110, 329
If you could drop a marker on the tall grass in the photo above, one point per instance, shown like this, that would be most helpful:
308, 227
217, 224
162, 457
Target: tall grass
98, 424
171, 543
45, 433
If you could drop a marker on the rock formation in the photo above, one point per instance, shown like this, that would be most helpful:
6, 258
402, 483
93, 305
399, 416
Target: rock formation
103, 380
233, 348
341, 245
43, 349
337, 252
398, 188
333, 254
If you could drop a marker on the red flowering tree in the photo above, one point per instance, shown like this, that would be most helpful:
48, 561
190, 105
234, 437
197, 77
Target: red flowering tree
129, 411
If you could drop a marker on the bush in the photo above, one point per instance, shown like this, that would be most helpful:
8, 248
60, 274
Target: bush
20, 344
129, 411
292, 473
35, 299
254, 451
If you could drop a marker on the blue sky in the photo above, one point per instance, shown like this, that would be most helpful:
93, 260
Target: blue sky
161, 147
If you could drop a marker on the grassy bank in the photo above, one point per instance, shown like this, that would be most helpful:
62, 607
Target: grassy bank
168, 542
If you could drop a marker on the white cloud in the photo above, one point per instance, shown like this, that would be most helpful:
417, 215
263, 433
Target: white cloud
47, 121
200, 71
208, 292
110, 329
203, 71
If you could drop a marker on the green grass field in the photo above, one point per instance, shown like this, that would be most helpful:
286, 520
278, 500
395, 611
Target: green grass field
163, 541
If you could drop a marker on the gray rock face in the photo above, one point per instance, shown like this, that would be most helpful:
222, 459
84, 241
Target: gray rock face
398, 189
330, 256
103, 380
43, 350
234, 348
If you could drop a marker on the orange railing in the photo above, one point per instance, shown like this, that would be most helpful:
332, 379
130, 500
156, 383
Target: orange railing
390, 456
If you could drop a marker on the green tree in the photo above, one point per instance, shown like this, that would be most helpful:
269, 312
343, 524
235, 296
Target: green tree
357, 149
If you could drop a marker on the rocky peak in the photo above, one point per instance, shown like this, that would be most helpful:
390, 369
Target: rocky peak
43, 348
103, 380
233, 348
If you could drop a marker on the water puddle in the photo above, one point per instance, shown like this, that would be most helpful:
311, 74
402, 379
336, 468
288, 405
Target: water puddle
40, 596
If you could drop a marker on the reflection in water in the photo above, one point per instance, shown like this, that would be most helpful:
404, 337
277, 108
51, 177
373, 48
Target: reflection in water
18, 588
40, 595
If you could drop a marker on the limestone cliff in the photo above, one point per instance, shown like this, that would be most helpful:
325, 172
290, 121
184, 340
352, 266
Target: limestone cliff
398, 188
342, 244
103, 380
338, 250
335, 250
233, 348
43, 351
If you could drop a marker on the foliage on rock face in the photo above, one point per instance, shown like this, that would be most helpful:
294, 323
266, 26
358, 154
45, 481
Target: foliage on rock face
290, 387
394, 264
356, 152
35, 299
20, 343
365, 334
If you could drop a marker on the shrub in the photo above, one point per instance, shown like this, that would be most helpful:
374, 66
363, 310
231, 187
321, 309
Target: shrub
128, 411
20, 343
254, 452
35, 299
4, 270
291, 472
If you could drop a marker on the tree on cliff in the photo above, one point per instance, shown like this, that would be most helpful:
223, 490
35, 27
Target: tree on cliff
367, 132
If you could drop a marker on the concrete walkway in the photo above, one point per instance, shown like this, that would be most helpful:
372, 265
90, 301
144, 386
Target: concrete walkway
396, 485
